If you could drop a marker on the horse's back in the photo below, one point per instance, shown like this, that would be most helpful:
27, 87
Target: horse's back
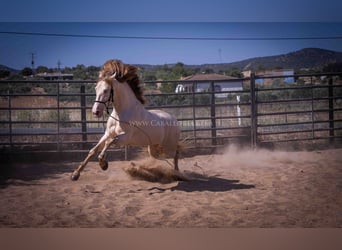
162, 114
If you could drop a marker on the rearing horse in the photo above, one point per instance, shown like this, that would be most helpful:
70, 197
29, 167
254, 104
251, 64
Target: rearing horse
130, 123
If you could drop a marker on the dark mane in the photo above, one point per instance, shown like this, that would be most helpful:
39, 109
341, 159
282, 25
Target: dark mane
124, 73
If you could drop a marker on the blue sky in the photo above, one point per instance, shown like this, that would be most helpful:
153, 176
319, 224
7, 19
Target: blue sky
172, 10
174, 19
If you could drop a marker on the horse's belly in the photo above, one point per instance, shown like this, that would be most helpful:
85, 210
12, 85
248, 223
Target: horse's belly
146, 136
152, 128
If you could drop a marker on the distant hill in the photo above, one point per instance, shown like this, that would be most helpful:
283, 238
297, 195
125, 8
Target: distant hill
306, 58
5, 68
309, 58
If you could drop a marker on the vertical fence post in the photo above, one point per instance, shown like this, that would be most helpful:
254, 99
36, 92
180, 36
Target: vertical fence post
58, 117
194, 85
126, 153
238, 109
10, 117
331, 111
253, 112
213, 114
312, 113
83, 116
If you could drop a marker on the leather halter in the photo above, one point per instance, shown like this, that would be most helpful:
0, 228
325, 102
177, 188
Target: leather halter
110, 99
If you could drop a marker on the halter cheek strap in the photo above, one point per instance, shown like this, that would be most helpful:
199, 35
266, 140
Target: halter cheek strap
111, 98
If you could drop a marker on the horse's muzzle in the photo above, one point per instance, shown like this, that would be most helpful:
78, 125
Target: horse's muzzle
97, 110
97, 114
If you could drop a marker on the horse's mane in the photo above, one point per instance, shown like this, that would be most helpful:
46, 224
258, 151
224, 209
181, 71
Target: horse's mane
124, 73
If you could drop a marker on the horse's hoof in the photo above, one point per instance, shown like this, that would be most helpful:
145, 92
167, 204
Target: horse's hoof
104, 165
75, 175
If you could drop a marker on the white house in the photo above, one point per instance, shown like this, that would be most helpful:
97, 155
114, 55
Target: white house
286, 75
56, 76
202, 83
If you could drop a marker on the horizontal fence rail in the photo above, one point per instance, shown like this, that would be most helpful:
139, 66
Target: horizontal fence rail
310, 111
55, 116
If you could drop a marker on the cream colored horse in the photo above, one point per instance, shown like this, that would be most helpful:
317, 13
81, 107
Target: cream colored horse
130, 123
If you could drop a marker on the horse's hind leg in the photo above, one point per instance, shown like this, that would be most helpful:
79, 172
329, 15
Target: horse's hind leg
172, 152
155, 151
76, 174
175, 160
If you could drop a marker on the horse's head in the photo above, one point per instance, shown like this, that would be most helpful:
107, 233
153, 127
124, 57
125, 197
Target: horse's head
104, 95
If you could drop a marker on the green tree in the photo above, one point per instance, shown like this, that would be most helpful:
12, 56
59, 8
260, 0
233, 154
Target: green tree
41, 69
333, 67
4, 73
26, 71
235, 72
149, 76
67, 70
161, 74
178, 70
80, 72
93, 72
168, 87
261, 67
208, 71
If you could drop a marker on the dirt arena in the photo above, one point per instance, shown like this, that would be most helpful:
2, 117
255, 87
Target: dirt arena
234, 189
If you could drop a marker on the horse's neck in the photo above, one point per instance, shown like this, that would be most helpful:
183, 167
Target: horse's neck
124, 98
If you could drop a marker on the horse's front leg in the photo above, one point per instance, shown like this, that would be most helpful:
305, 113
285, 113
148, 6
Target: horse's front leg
120, 139
76, 174
102, 161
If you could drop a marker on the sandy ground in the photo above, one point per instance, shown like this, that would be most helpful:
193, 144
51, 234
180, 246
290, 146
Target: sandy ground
234, 189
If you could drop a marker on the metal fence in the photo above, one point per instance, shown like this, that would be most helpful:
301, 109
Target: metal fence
309, 111
55, 116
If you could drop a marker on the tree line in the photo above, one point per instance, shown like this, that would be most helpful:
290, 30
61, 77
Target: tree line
154, 73
82, 72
